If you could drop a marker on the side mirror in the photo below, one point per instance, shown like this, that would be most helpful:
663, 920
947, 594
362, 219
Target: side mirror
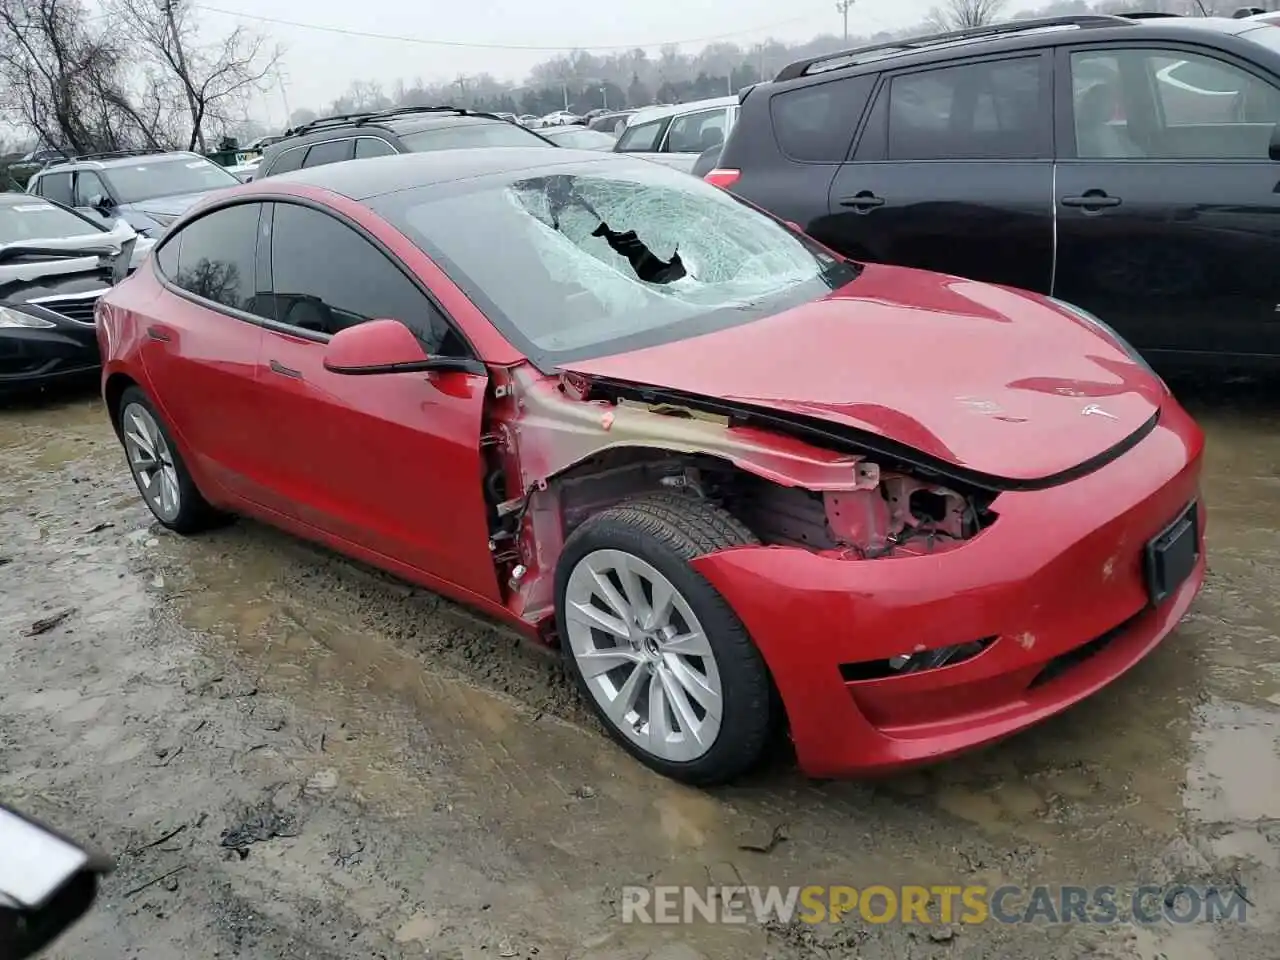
100, 202
386, 346
47, 883
379, 346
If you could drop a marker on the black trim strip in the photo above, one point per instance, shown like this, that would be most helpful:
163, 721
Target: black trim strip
863, 441
430, 365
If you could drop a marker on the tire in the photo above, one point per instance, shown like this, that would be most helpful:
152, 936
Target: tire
171, 494
660, 534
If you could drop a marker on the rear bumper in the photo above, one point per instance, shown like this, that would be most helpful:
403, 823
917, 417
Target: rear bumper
1056, 586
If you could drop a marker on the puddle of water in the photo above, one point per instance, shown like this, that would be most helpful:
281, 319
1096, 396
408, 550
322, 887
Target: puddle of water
1235, 775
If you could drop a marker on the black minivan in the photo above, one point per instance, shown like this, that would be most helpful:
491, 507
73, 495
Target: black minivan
1127, 165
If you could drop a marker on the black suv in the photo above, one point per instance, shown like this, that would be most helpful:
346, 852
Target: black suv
1127, 165
355, 136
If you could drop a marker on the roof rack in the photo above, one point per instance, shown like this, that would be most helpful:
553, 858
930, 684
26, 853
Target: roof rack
394, 112
848, 58
321, 122
104, 155
375, 116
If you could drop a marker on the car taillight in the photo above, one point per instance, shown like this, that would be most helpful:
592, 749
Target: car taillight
723, 177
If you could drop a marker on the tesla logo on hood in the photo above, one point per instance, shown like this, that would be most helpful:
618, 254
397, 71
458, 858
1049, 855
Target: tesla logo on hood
1093, 410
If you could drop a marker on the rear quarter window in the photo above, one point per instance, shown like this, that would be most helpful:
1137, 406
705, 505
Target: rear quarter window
56, 186
817, 123
286, 160
330, 151
642, 138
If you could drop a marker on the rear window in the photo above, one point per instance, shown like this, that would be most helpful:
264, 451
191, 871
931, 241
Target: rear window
473, 133
817, 123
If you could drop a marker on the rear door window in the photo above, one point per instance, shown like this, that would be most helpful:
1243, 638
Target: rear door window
817, 123
992, 110
332, 151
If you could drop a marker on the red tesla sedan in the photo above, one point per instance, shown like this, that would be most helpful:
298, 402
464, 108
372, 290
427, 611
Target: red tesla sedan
739, 480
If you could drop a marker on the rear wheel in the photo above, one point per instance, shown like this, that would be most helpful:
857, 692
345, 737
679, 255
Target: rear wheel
661, 656
158, 470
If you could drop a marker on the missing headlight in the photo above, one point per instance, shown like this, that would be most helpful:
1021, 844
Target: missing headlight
915, 662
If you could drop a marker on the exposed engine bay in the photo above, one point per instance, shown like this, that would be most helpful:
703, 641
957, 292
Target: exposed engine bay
559, 453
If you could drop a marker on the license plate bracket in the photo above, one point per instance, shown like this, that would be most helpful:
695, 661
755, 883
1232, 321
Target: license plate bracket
1172, 554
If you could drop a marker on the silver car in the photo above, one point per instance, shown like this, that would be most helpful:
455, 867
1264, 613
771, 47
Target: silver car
678, 134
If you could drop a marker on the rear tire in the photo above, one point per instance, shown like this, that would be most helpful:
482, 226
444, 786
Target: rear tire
648, 637
162, 477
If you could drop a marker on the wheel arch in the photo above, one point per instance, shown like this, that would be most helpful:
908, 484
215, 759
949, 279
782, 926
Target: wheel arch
112, 391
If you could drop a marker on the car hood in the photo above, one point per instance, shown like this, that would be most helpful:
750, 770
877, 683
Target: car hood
1000, 383
66, 264
167, 206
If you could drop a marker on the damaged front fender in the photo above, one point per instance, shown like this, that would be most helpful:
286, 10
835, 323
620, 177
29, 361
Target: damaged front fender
555, 428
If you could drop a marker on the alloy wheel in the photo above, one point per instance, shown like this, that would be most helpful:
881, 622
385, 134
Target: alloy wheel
151, 461
644, 655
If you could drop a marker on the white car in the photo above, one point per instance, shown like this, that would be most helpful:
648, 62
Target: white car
559, 119
676, 135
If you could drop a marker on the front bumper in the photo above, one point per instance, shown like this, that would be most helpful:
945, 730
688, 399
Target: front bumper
1058, 581
34, 357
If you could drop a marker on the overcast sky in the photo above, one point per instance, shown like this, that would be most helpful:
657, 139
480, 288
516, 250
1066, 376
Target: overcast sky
319, 65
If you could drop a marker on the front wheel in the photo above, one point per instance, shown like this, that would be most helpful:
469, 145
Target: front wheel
664, 661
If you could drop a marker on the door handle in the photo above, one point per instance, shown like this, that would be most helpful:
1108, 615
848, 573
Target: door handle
159, 333
864, 201
280, 368
1092, 200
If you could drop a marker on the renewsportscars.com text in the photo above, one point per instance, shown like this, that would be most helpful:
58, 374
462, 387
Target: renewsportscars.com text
912, 904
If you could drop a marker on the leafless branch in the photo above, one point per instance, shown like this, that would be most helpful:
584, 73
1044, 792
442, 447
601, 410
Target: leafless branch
961, 14
211, 79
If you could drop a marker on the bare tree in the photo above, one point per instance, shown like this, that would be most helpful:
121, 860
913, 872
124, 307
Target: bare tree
960, 14
214, 80
61, 78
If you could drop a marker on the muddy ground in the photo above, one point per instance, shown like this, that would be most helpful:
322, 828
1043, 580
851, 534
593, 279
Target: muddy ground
293, 756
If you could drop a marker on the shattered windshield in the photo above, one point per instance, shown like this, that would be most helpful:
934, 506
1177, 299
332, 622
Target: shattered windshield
572, 265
